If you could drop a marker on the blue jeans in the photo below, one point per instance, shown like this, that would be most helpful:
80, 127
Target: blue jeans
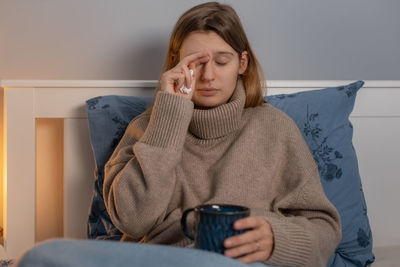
61, 252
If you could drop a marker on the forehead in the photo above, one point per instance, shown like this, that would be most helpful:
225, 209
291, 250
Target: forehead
206, 41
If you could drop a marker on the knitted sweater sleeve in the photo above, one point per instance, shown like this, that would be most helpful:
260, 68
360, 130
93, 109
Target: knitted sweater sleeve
140, 175
306, 226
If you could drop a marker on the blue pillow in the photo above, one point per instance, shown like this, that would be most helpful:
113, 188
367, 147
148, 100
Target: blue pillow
108, 118
323, 118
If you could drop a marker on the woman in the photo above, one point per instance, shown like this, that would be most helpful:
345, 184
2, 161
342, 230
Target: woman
209, 138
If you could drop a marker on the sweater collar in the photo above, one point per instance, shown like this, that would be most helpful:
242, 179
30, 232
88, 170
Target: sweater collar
221, 120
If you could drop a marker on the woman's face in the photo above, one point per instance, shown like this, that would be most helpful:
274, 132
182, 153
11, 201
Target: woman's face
216, 79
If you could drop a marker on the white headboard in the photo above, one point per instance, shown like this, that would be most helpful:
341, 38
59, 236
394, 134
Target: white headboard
376, 120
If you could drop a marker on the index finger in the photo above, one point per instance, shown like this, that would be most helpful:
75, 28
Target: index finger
247, 223
195, 57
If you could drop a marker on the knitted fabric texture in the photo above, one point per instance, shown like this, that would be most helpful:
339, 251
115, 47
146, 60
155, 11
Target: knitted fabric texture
178, 157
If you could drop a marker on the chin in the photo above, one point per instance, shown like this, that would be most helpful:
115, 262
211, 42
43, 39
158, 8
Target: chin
206, 104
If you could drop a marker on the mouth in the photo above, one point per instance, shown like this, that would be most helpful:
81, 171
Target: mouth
209, 91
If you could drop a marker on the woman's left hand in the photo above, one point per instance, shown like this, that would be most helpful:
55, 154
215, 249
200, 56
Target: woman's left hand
254, 245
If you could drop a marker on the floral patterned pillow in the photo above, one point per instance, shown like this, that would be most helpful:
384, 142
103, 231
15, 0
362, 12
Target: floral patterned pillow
322, 116
108, 118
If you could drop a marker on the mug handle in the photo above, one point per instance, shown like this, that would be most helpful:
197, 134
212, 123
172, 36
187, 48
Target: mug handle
184, 225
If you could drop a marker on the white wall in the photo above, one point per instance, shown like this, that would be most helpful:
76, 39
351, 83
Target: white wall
126, 39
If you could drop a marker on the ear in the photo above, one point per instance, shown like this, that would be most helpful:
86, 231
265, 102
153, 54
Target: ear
244, 61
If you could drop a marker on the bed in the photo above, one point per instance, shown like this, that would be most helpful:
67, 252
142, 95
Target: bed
47, 159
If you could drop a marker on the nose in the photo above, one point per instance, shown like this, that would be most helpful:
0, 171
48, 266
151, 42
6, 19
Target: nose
207, 72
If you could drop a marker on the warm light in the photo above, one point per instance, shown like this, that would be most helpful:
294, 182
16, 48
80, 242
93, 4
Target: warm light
3, 162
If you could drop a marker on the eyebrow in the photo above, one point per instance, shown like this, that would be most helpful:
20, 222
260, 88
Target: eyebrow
224, 53
217, 53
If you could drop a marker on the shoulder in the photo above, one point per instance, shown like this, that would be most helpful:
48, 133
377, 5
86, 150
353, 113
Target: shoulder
270, 117
141, 120
275, 126
138, 125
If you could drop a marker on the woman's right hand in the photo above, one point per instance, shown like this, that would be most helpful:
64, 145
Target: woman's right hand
173, 79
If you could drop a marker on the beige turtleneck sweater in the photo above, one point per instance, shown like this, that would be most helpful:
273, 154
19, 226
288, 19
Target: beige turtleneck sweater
178, 157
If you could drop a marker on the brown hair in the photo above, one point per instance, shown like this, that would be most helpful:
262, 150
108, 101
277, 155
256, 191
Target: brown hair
223, 20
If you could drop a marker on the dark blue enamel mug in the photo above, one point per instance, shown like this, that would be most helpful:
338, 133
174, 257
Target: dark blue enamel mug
213, 224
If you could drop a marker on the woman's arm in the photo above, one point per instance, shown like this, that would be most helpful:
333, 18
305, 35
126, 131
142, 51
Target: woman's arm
301, 228
140, 176
305, 224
